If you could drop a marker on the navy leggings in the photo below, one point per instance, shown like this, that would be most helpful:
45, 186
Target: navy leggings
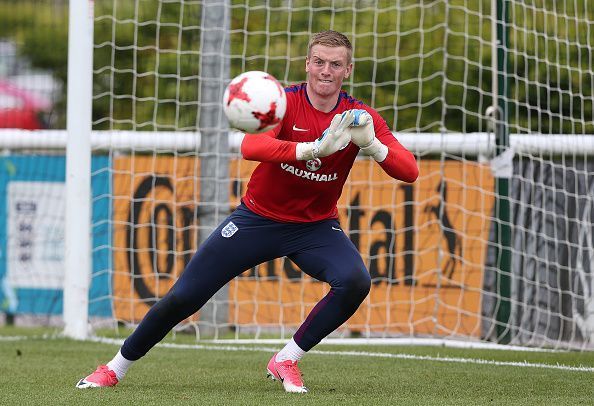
320, 249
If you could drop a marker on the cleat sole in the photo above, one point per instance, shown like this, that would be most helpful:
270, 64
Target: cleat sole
82, 384
270, 375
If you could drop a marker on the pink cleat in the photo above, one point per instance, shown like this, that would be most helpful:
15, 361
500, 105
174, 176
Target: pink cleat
288, 373
102, 377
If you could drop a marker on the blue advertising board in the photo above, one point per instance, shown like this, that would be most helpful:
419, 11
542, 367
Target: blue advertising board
32, 218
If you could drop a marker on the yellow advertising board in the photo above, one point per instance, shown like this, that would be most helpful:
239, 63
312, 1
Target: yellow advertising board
424, 245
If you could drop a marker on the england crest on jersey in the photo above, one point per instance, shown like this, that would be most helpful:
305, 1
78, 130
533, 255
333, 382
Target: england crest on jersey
229, 230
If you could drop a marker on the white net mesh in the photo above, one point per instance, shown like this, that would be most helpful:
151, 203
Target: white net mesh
403, 67
436, 249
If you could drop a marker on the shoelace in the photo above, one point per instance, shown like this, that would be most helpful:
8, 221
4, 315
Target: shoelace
292, 372
103, 369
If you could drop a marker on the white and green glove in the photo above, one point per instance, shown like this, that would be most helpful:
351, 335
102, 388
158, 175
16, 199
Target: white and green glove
363, 134
334, 138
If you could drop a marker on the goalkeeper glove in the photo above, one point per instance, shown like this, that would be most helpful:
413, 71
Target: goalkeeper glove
363, 135
334, 138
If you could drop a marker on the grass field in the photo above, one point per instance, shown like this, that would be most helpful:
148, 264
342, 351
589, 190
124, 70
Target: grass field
39, 368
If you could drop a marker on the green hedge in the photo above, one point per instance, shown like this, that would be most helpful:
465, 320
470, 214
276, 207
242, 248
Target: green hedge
421, 67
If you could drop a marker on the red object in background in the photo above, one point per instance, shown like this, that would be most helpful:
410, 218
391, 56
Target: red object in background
20, 108
19, 118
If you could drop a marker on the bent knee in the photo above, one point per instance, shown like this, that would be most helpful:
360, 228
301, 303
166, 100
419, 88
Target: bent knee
364, 283
357, 283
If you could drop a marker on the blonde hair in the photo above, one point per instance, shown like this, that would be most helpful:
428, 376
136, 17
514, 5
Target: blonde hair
331, 39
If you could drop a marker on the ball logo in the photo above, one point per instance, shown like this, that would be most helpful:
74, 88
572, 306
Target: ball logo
268, 118
229, 230
236, 92
313, 164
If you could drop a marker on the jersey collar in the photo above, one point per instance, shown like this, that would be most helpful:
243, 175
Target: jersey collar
340, 97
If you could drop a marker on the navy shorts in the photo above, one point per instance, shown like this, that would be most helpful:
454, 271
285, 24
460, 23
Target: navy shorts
246, 239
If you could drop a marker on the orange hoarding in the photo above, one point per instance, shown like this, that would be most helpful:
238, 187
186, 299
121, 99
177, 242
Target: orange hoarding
424, 245
154, 212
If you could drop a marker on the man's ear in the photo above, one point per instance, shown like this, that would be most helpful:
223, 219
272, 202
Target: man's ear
348, 70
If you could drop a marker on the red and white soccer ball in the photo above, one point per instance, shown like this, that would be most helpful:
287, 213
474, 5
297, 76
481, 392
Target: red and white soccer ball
254, 102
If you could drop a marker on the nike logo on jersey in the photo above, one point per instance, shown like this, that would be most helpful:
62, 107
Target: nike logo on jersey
295, 128
337, 229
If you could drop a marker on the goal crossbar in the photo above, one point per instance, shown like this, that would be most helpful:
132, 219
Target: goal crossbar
466, 144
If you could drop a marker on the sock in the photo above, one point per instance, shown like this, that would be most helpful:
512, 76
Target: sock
291, 351
119, 365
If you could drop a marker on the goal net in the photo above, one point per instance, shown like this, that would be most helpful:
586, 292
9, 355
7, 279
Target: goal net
493, 243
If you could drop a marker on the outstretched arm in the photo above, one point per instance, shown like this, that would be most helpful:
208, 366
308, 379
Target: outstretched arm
266, 148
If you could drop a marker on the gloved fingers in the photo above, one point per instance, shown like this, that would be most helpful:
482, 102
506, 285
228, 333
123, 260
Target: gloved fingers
344, 121
361, 118
334, 123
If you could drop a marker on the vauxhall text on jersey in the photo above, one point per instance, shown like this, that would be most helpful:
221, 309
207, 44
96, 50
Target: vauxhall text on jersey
302, 173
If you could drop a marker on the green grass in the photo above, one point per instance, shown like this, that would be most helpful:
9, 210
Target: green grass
43, 371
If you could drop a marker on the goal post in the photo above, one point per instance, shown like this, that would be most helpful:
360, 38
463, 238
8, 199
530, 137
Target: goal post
214, 164
77, 218
493, 242
500, 35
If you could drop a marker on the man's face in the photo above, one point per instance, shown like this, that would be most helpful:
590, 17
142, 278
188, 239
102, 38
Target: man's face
327, 67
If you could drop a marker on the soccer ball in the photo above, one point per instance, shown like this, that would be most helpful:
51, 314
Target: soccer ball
254, 102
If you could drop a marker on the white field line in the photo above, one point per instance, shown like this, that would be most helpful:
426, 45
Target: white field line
13, 338
366, 354
477, 361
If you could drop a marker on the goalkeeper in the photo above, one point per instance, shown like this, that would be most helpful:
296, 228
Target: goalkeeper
289, 209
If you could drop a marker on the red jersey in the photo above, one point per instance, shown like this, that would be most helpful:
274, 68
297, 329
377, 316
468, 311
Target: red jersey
284, 189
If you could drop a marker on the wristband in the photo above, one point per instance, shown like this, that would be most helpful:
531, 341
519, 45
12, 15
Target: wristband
376, 150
